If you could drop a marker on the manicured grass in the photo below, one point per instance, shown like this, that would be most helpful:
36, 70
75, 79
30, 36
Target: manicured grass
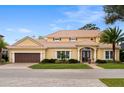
113, 82
60, 66
112, 66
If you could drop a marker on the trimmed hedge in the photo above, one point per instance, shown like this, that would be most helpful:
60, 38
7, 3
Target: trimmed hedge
101, 61
48, 61
106, 61
73, 61
55, 61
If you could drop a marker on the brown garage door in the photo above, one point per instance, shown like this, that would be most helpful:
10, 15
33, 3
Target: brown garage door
27, 57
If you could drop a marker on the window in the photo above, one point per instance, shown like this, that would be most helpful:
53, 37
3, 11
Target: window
108, 55
56, 39
63, 55
72, 39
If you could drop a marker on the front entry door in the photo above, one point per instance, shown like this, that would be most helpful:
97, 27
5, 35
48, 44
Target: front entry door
85, 55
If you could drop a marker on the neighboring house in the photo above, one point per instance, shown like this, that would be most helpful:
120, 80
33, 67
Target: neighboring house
75, 44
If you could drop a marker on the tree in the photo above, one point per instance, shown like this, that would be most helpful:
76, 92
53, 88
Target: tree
2, 45
112, 36
114, 13
89, 27
40, 37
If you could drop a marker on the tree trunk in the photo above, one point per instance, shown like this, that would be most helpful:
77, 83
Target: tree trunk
0, 54
113, 52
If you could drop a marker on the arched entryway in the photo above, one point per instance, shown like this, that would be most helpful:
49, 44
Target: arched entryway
86, 54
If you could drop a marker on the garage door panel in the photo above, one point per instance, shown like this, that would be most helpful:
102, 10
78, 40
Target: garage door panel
27, 57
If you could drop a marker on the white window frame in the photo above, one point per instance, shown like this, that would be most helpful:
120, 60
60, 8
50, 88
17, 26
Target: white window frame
65, 53
72, 39
109, 55
57, 39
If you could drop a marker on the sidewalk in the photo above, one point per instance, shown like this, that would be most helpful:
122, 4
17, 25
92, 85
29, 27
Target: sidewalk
94, 66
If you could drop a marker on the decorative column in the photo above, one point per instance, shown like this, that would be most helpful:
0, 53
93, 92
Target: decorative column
78, 54
13, 57
95, 54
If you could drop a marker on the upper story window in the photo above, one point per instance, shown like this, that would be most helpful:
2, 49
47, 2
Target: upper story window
56, 39
72, 39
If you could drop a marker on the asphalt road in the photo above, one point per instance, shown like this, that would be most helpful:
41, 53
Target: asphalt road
56, 78
19, 75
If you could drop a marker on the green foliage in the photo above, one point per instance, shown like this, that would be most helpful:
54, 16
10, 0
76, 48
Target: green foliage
3, 61
60, 66
5, 57
48, 61
114, 13
111, 35
113, 82
106, 61
73, 61
2, 43
122, 55
89, 27
41, 37
55, 61
101, 61
61, 61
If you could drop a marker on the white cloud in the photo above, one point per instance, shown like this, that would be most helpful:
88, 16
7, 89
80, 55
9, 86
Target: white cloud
80, 16
9, 29
21, 30
24, 30
83, 14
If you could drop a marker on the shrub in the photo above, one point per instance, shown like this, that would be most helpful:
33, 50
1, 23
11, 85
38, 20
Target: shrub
101, 61
61, 61
45, 61
109, 61
122, 55
73, 61
58, 61
48, 61
52, 60
3, 61
5, 57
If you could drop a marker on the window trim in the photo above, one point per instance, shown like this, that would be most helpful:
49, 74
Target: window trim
57, 39
65, 53
109, 55
72, 39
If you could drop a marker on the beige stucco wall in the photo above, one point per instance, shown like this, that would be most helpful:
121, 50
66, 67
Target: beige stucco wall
27, 42
101, 54
51, 53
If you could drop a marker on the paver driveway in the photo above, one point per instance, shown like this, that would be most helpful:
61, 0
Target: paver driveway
16, 66
21, 76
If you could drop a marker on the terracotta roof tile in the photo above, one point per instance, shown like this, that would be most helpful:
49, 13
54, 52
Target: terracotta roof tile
75, 33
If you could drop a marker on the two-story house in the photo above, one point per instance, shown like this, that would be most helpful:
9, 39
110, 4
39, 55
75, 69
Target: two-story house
75, 44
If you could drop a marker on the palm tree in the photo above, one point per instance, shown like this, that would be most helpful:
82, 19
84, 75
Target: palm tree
112, 36
2, 45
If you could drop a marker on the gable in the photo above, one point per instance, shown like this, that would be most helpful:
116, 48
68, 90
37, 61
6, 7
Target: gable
27, 41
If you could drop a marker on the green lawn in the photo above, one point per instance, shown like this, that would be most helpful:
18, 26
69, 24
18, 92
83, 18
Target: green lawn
60, 66
112, 66
113, 82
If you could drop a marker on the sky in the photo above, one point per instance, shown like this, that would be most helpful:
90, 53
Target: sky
17, 22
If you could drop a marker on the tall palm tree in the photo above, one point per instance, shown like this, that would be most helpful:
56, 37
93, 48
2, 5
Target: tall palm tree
112, 36
2, 45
